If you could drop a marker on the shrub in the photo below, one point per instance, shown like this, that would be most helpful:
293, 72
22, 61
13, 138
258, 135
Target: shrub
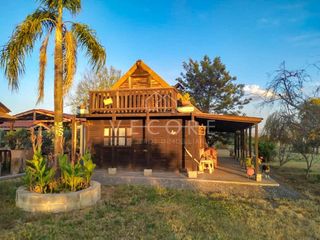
267, 150
88, 166
38, 174
76, 176
18, 139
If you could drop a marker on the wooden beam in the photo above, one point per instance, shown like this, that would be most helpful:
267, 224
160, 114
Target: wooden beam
130, 82
250, 141
245, 142
113, 153
242, 144
256, 147
183, 135
74, 140
235, 146
147, 139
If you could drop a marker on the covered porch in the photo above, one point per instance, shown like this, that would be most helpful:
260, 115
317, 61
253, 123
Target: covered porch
229, 172
245, 133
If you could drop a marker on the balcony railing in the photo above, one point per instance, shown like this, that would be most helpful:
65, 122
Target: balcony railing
153, 100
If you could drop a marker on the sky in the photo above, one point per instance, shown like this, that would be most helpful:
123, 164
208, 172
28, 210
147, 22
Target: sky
251, 37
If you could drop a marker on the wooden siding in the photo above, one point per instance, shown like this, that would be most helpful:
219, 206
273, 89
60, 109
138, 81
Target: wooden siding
193, 143
162, 151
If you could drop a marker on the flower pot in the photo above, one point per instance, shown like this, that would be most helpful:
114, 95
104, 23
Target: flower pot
186, 109
112, 171
258, 177
185, 103
192, 174
147, 172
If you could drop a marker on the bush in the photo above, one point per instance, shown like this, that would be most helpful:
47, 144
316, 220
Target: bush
38, 174
18, 139
74, 175
267, 150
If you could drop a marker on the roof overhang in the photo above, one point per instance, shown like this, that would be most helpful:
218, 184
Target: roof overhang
226, 123
5, 117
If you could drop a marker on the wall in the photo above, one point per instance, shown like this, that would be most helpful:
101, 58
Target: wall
159, 147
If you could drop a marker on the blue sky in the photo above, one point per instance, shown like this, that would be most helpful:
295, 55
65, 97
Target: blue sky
251, 37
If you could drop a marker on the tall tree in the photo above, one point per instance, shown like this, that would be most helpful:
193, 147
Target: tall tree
278, 129
212, 87
101, 80
68, 35
300, 107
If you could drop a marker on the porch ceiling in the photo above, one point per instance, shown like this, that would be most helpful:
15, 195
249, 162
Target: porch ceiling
226, 123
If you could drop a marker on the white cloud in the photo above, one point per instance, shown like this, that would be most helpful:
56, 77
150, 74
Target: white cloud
256, 92
268, 22
309, 39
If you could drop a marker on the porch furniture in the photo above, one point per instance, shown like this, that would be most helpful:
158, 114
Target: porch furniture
206, 165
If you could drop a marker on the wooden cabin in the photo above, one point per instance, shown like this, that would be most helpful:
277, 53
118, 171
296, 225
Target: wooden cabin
138, 124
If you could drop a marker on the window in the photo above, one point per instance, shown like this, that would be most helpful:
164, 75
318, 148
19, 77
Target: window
122, 136
107, 141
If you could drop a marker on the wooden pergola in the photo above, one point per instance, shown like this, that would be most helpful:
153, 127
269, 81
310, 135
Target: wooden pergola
44, 118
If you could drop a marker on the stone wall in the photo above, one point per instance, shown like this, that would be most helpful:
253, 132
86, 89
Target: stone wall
58, 202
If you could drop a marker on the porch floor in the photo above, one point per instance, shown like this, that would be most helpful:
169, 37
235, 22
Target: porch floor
227, 172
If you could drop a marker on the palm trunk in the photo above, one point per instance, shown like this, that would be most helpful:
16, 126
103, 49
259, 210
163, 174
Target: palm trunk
58, 88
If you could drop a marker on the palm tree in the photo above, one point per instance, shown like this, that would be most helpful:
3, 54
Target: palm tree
40, 25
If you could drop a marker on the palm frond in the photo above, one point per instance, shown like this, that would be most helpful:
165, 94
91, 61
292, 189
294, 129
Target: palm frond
21, 44
42, 68
87, 39
70, 57
74, 6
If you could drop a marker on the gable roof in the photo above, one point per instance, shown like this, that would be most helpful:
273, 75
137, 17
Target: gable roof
3, 108
140, 65
49, 113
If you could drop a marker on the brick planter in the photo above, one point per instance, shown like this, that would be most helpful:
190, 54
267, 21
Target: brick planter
58, 202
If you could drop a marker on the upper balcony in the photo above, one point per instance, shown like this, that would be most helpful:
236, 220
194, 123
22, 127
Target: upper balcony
140, 100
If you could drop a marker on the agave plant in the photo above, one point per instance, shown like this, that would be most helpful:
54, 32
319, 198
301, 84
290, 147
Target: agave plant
38, 174
68, 35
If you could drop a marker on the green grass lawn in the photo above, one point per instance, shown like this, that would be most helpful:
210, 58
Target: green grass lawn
293, 174
132, 212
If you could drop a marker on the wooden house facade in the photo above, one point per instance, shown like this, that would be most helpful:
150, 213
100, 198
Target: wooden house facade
137, 124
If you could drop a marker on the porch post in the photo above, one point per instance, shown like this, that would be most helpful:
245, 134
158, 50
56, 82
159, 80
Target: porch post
245, 141
113, 139
195, 146
147, 122
183, 165
74, 139
238, 146
256, 142
242, 144
250, 141
235, 146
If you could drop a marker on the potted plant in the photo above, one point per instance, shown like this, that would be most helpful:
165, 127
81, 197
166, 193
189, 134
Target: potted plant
185, 104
